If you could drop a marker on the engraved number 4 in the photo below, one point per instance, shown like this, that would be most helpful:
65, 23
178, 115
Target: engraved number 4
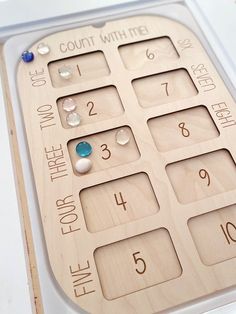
122, 202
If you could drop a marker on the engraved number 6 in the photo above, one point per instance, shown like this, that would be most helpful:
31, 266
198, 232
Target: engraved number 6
150, 55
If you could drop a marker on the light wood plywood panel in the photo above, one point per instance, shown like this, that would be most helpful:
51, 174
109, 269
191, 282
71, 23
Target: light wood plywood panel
203, 176
164, 88
137, 263
93, 106
182, 128
82, 68
118, 202
134, 205
214, 234
106, 152
139, 54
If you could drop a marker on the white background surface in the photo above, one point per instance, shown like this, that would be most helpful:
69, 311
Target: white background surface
13, 12
14, 292
218, 18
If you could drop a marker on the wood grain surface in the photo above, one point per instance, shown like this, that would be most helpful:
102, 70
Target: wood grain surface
135, 252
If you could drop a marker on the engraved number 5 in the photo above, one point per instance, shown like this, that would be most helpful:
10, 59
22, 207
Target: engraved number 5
141, 265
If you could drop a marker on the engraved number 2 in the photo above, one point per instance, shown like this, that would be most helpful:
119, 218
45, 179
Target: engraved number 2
90, 105
107, 152
140, 264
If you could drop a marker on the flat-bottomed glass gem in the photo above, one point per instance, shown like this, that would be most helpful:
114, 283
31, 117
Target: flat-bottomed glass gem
27, 56
43, 49
122, 137
73, 119
65, 72
69, 104
83, 165
83, 149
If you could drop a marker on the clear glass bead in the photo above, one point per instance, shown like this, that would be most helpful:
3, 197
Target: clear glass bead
69, 104
73, 119
122, 137
43, 49
65, 72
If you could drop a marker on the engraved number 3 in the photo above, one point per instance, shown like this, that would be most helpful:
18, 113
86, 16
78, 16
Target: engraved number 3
141, 265
107, 152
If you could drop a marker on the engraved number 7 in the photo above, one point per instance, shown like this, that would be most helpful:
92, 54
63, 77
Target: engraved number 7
166, 88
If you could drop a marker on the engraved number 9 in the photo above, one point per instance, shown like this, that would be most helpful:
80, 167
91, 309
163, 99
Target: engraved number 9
203, 174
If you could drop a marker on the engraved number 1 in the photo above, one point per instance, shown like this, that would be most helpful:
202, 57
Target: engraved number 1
78, 69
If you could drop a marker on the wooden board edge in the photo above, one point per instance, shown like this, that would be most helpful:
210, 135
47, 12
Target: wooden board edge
32, 271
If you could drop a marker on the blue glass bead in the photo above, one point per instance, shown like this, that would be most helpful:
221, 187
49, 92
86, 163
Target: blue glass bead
27, 56
83, 149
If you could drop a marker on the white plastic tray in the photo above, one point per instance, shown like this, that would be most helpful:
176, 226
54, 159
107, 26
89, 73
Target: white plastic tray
53, 300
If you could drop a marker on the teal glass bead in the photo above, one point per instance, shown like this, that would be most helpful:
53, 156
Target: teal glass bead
84, 149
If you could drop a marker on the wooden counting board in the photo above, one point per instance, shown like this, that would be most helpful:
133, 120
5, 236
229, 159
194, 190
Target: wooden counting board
151, 224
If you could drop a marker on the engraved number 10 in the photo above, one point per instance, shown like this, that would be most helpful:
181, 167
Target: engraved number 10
229, 231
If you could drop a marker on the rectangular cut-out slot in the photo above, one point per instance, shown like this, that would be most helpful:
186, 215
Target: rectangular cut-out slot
163, 88
182, 128
118, 202
92, 106
78, 69
203, 176
153, 51
214, 235
136, 263
106, 152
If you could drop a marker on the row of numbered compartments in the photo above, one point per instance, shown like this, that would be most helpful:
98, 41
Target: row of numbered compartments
93, 65
149, 259
132, 197
169, 132
201, 176
104, 103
